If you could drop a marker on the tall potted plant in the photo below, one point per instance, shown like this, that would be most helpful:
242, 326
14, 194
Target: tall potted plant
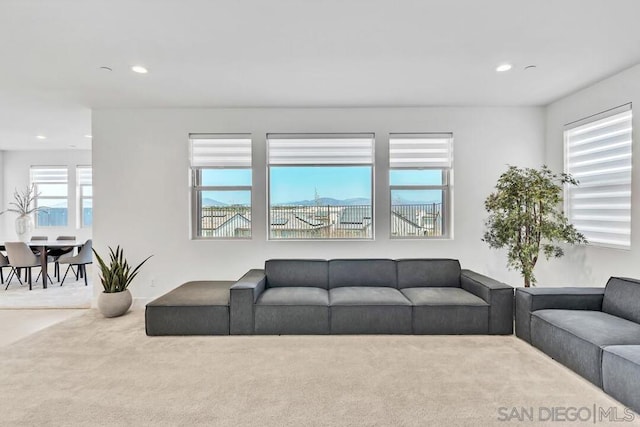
116, 277
23, 205
525, 217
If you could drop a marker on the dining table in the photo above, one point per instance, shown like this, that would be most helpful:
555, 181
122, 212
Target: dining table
43, 246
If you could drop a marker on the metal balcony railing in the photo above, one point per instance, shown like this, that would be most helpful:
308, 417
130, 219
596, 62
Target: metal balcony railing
323, 221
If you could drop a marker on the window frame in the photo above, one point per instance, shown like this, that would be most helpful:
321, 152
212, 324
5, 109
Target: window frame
311, 136
445, 187
196, 188
37, 191
81, 198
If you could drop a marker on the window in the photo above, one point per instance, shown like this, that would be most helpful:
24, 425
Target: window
419, 180
320, 186
598, 155
84, 192
221, 185
51, 185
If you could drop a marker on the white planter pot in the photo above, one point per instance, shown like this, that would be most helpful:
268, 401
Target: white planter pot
114, 304
24, 227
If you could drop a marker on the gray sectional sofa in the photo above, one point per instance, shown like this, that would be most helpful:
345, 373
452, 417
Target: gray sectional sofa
593, 331
369, 296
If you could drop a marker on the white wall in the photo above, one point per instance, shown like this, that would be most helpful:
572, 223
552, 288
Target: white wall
592, 266
2, 204
15, 173
141, 185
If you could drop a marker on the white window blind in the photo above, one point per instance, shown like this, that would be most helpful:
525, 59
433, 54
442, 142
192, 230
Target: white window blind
346, 149
85, 175
52, 191
217, 150
598, 155
421, 150
49, 174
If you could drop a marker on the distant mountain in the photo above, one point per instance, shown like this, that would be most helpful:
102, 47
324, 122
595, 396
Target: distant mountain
212, 202
403, 201
328, 201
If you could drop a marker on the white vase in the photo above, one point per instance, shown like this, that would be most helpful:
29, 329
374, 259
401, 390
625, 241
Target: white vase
114, 304
24, 227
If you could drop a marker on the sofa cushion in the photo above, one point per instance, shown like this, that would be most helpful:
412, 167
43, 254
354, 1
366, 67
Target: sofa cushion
195, 308
449, 311
575, 338
294, 296
413, 273
292, 310
622, 298
621, 373
362, 272
369, 310
363, 296
297, 273
442, 296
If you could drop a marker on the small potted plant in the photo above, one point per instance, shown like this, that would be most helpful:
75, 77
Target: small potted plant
116, 277
22, 205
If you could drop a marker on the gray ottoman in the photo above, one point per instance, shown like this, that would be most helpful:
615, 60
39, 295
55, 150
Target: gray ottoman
621, 374
195, 308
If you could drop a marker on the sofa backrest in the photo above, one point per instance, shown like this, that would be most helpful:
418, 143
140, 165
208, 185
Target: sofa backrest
297, 272
622, 298
362, 272
422, 273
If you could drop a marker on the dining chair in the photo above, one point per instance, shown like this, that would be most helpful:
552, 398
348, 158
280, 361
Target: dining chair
20, 256
84, 257
56, 253
4, 263
38, 239
37, 253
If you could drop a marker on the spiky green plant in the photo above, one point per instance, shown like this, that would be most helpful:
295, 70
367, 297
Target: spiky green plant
118, 274
23, 201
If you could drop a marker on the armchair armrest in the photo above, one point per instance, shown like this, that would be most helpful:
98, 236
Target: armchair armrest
498, 295
529, 300
243, 295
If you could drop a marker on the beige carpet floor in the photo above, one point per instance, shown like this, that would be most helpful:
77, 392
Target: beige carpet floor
93, 371
74, 294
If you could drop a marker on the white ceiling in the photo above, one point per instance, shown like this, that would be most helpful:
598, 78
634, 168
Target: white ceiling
297, 53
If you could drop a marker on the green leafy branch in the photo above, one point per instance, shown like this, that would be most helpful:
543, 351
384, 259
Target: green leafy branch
526, 219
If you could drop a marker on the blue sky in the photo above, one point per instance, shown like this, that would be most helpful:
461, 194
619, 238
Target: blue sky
292, 183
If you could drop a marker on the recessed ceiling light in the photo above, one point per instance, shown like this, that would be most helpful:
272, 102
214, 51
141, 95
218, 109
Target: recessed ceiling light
41, 137
88, 136
139, 69
106, 68
503, 67
530, 67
